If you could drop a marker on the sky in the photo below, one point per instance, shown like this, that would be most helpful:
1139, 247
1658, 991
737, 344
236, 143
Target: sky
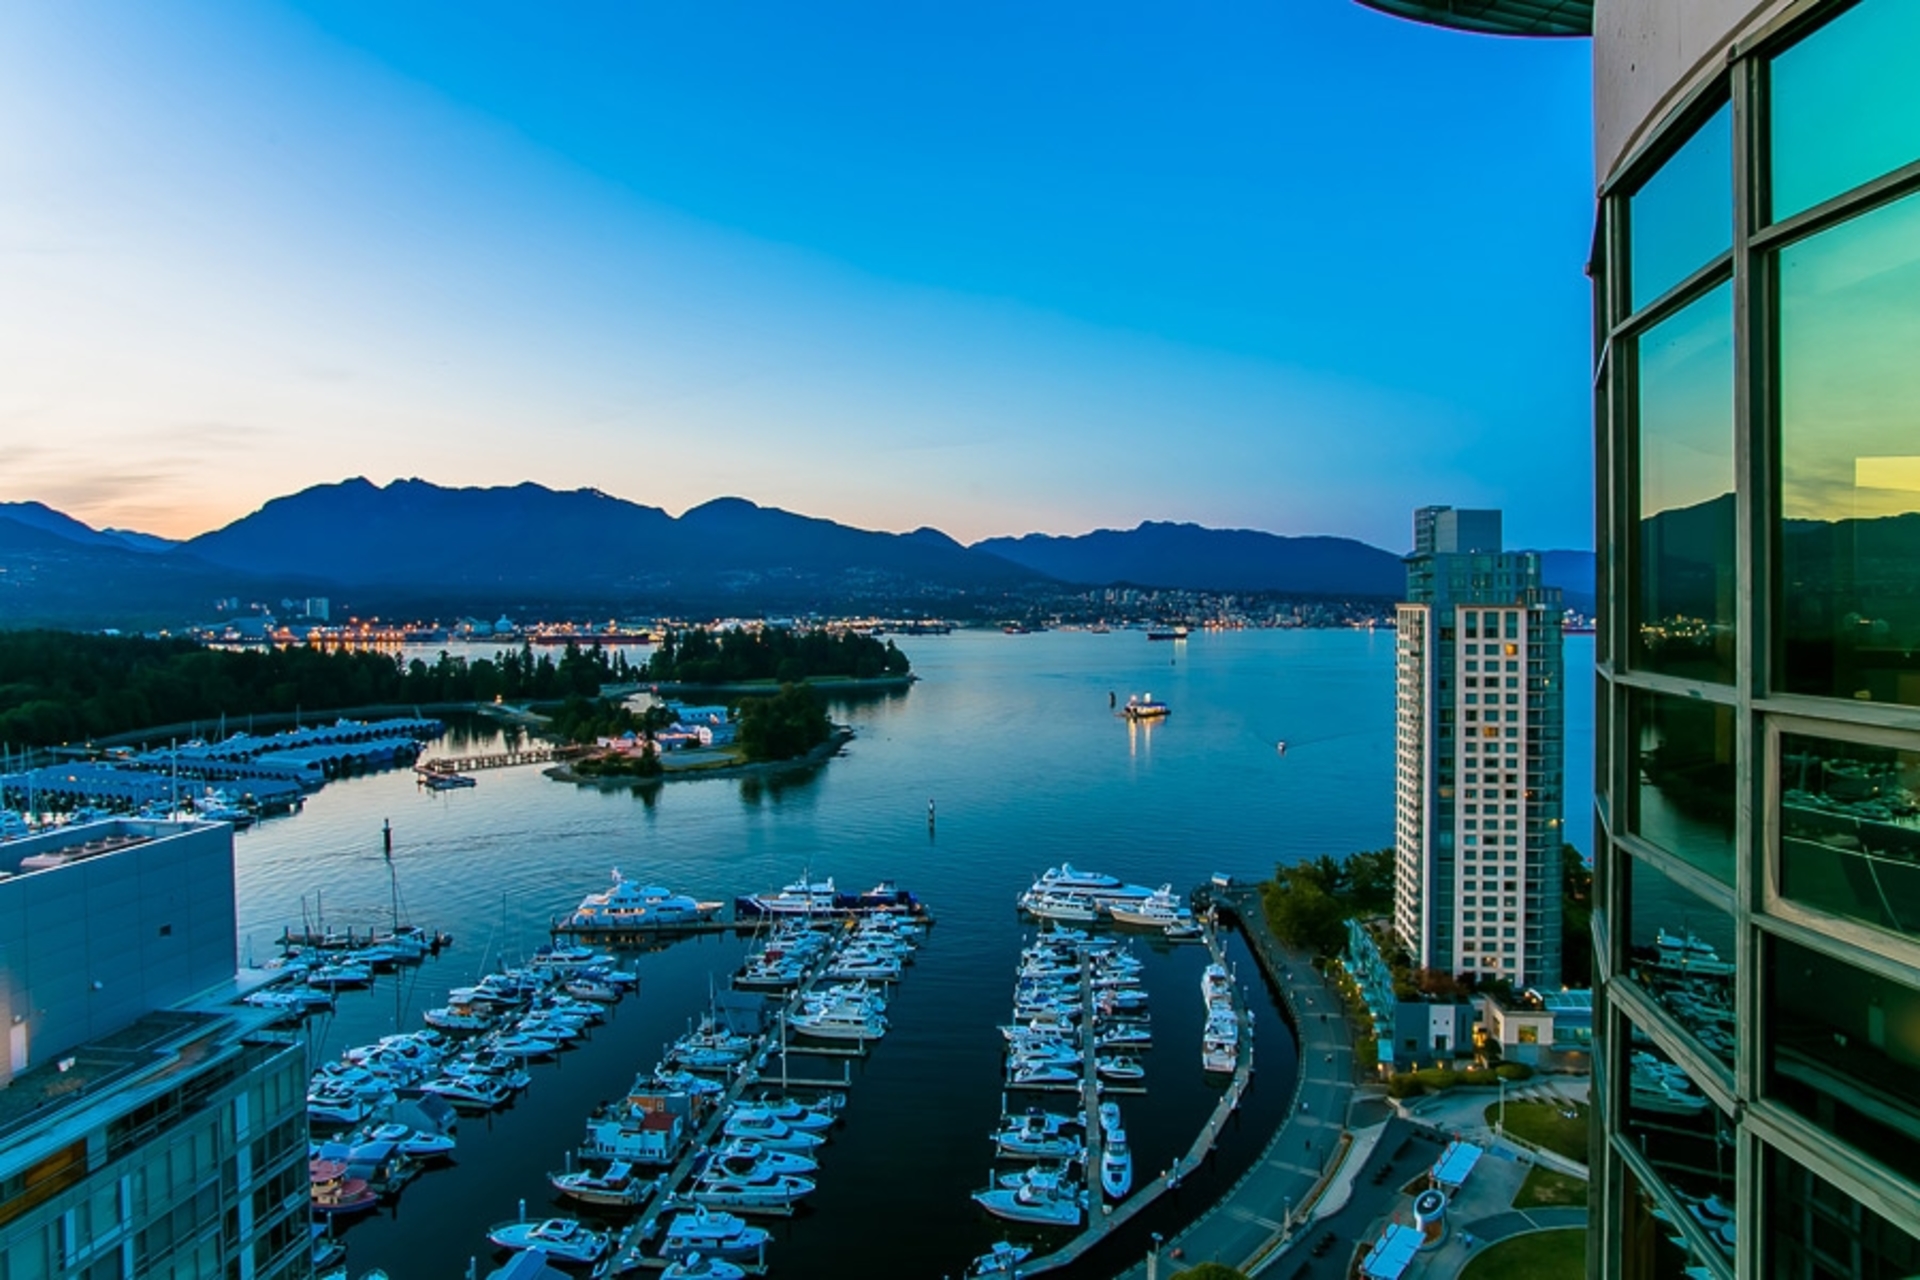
995, 268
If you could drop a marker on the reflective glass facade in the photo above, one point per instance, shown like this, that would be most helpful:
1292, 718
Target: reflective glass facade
1757, 810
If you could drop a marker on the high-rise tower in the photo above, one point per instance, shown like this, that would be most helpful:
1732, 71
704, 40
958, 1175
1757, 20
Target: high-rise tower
1478, 754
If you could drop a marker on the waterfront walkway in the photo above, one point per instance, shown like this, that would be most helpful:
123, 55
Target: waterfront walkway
1299, 1162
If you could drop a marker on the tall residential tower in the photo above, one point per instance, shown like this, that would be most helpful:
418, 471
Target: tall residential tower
1478, 746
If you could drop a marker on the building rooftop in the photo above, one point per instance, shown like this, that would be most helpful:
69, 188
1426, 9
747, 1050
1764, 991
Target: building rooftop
1497, 17
77, 1075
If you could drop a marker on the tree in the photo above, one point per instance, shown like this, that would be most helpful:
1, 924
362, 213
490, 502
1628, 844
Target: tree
1210, 1271
790, 723
1576, 918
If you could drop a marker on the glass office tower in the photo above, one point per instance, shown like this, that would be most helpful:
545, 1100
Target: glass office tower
1756, 273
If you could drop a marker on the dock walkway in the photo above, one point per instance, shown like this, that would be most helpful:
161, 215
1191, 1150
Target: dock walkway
1104, 1219
1260, 1210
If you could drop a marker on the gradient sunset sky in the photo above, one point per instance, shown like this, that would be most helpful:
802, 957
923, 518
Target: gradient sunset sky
991, 267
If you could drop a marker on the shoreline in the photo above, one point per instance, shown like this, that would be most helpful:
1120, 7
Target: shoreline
840, 737
826, 684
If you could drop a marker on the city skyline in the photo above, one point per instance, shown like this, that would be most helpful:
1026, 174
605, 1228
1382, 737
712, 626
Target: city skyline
992, 273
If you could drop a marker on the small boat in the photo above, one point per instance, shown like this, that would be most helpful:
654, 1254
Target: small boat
1116, 1159
562, 1239
470, 1092
459, 1017
1037, 1135
435, 780
1143, 707
722, 1235
618, 1186
1119, 1068
417, 1143
699, 1266
1041, 1196
1001, 1260
752, 1161
1043, 1073
787, 1112
776, 1194
771, 1133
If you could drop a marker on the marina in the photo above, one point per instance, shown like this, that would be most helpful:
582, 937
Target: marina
496, 866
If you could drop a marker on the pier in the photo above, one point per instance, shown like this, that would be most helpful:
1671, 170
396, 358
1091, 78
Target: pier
628, 1254
1104, 1219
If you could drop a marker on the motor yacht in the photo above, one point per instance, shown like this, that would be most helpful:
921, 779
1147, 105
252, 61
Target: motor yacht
753, 1161
786, 1112
700, 1266
721, 1235
1003, 1259
1119, 1068
562, 1239
415, 1143
631, 905
332, 1191
1037, 1135
801, 898
470, 1092
617, 1187
774, 1134
1043, 1196
771, 1195
1116, 1159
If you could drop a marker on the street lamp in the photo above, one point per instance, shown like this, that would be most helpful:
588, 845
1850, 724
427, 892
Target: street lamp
1153, 1257
1500, 1125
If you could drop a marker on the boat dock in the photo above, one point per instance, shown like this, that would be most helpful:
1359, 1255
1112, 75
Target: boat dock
646, 935
542, 753
1104, 1219
627, 1254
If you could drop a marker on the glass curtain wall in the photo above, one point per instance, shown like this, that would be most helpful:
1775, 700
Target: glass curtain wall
1757, 402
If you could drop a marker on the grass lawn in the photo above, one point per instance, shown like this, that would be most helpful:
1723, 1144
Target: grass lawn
1544, 1125
1550, 1189
1538, 1255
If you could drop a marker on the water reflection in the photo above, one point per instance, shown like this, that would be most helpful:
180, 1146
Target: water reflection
1683, 759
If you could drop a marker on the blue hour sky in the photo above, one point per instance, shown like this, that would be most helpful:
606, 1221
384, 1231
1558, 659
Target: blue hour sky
991, 267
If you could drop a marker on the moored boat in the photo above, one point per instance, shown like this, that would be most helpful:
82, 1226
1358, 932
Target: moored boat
618, 1186
563, 1239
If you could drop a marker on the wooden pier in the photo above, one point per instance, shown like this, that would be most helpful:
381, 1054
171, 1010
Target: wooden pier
544, 753
1103, 1220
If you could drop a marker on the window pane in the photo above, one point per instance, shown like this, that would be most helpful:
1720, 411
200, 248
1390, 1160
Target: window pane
1850, 458
1685, 595
1650, 1249
1680, 951
1684, 1136
1816, 1230
1849, 842
1682, 218
1843, 1049
1844, 110
1682, 772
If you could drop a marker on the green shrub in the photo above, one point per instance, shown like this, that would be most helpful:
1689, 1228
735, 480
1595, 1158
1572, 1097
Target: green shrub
1514, 1071
1403, 1085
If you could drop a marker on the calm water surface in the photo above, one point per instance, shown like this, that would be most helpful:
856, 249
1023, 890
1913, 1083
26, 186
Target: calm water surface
1012, 736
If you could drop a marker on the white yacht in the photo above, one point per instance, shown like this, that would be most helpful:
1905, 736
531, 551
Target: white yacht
1044, 1196
801, 898
700, 1266
1037, 1135
629, 904
776, 1194
563, 1239
773, 1134
1157, 910
840, 1021
1116, 1159
714, 1235
1093, 884
618, 1187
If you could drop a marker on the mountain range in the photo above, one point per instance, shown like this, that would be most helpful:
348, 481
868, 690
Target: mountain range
415, 548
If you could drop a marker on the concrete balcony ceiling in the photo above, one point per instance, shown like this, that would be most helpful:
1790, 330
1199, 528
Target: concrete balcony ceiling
1497, 17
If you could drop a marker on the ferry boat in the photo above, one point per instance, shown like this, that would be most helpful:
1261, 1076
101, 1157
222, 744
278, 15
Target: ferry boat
1143, 707
631, 905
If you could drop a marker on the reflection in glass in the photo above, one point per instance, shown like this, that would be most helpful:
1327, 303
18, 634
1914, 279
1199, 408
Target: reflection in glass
1815, 1229
1680, 951
1843, 104
1650, 1247
1685, 596
1686, 1138
1682, 771
1850, 458
1843, 1050
1682, 218
1850, 830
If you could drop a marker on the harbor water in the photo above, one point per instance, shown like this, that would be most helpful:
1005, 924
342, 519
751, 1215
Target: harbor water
1015, 741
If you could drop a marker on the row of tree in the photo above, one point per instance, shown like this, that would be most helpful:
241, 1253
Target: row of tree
60, 686
738, 655
1309, 903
